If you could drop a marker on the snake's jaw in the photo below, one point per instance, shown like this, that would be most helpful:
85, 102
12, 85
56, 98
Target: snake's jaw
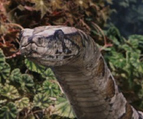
49, 50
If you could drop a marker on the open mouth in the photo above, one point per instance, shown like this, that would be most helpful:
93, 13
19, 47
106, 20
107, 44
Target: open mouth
56, 57
35, 55
32, 54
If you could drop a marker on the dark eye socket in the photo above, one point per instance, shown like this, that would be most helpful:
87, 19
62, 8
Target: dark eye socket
40, 40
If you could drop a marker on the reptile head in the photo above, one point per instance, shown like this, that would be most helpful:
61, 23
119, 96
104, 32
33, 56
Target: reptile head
50, 45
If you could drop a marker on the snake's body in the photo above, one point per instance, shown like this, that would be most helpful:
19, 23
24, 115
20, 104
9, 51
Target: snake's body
80, 69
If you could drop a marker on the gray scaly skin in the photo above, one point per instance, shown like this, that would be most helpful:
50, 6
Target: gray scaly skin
80, 69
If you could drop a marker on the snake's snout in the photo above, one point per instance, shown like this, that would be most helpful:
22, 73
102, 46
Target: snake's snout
24, 48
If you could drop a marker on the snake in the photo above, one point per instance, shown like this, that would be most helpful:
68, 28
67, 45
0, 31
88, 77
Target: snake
80, 69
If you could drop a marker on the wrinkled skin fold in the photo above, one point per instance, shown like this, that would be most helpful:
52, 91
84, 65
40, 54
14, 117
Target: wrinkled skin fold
80, 69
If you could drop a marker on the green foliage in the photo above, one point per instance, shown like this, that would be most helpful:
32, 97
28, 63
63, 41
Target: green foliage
52, 89
34, 67
63, 107
27, 82
26, 91
10, 92
22, 103
125, 60
4, 68
44, 71
16, 76
41, 100
8, 111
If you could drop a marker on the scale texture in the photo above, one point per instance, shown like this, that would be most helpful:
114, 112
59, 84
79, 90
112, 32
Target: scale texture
80, 69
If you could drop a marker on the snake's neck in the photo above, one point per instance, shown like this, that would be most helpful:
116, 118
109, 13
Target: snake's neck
91, 88
92, 91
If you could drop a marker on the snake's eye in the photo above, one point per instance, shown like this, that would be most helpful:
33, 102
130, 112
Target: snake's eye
40, 40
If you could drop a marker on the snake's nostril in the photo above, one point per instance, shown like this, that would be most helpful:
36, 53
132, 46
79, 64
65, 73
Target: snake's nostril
30, 39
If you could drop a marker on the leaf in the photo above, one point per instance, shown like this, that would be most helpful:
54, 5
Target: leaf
63, 108
4, 71
27, 82
2, 102
34, 67
10, 92
22, 103
51, 88
126, 47
41, 100
82, 3
114, 34
139, 38
110, 1
4, 67
134, 42
31, 116
16, 76
42, 6
3, 29
117, 60
49, 74
8, 111
124, 3
44, 71
22, 81
56, 4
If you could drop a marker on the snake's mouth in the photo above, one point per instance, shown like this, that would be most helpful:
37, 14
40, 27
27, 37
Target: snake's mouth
47, 54
57, 58
35, 55
32, 51
48, 59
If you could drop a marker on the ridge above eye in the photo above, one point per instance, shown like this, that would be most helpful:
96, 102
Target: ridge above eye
59, 34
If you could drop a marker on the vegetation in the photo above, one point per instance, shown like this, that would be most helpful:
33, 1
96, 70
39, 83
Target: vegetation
29, 91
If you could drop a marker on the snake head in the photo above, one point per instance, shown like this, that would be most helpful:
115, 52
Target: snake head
50, 45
